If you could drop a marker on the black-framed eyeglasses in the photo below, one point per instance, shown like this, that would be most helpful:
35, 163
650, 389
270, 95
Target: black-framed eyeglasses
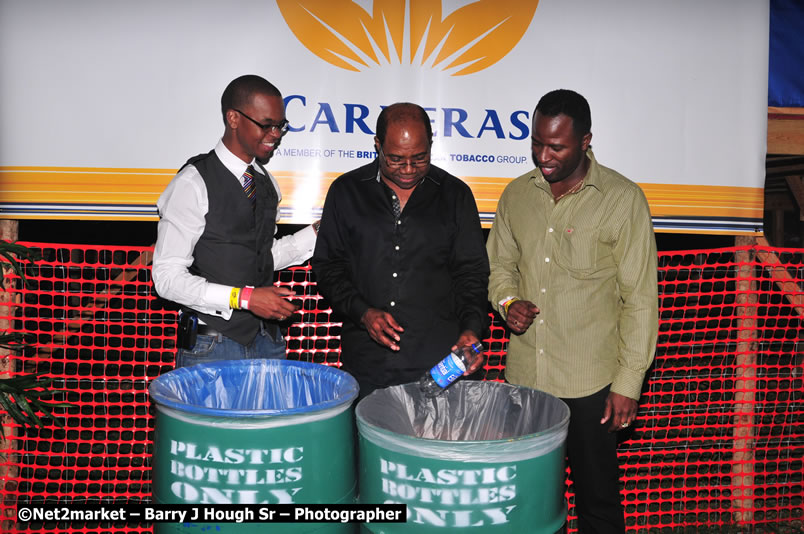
280, 127
399, 162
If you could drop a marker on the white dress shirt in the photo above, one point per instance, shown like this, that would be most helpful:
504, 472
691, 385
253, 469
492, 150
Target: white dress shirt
182, 210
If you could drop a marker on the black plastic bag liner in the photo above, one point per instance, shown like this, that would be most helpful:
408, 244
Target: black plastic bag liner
254, 388
470, 420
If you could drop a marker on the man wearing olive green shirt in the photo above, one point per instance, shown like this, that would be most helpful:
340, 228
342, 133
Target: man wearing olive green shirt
573, 273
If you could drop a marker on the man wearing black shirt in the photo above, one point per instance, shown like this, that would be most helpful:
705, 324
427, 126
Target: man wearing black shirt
401, 257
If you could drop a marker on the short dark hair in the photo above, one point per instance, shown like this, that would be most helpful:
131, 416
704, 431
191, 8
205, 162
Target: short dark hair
240, 91
570, 104
399, 112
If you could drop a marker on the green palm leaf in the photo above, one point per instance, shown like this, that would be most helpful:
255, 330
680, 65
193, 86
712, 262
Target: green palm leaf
24, 397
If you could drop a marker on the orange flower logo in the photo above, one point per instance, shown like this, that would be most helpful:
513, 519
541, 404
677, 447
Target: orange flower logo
413, 32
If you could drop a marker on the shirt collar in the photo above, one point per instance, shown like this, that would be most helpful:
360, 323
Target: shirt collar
234, 164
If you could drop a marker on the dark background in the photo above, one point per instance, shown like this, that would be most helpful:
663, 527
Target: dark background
135, 233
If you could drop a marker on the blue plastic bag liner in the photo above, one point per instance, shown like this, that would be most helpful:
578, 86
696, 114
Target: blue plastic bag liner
257, 388
255, 431
471, 421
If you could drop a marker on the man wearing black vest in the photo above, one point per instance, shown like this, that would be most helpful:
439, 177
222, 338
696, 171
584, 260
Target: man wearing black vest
215, 253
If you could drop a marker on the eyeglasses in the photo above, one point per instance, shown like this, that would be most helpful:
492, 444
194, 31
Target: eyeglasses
397, 162
281, 127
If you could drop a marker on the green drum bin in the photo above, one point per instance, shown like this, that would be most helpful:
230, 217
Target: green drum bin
482, 457
254, 432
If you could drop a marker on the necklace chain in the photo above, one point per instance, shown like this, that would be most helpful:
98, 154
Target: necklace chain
574, 189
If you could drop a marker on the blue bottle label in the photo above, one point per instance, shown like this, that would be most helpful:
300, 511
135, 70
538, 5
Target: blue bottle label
447, 370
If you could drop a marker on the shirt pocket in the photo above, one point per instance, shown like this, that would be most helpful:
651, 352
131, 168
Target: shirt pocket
578, 251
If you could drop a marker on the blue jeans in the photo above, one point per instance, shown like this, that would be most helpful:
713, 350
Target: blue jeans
268, 343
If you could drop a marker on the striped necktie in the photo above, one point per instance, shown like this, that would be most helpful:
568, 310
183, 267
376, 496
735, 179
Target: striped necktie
249, 187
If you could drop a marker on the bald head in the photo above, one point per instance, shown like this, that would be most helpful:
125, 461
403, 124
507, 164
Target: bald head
399, 113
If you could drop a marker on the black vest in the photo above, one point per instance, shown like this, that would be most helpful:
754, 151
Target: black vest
235, 248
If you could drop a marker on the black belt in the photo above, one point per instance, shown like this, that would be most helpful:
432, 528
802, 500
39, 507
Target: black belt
206, 330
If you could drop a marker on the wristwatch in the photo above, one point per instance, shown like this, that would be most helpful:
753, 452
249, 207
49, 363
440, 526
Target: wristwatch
316, 226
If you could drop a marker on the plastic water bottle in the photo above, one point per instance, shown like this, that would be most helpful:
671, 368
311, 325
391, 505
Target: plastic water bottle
449, 369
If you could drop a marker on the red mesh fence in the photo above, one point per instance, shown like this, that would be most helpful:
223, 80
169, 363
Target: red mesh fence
717, 447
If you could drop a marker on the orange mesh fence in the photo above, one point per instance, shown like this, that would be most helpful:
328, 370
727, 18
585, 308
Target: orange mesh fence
91, 320
718, 444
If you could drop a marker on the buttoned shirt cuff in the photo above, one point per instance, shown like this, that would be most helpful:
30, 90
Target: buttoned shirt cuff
475, 326
358, 309
306, 239
628, 383
501, 305
218, 297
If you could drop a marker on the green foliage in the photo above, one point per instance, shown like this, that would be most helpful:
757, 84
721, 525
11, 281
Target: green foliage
10, 341
23, 396
13, 255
